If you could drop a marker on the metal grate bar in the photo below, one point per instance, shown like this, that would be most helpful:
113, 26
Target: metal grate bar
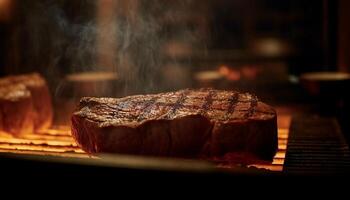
315, 146
58, 142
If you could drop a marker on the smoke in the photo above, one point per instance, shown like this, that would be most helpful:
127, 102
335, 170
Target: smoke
154, 37
136, 39
52, 41
139, 55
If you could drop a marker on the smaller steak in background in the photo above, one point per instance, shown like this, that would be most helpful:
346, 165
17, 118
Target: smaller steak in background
16, 110
21, 95
39, 90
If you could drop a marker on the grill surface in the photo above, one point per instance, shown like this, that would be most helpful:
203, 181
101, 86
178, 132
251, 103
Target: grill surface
55, 142
58, 142
316, 146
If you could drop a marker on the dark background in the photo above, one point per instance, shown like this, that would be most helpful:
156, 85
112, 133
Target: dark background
266, 44
33, 39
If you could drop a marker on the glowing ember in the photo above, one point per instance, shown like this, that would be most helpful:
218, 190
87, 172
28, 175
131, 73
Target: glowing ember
229, 73
249, 72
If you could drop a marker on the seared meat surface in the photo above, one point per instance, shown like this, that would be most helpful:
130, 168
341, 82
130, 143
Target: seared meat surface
43, 111
186, 123
25, 104
16, 109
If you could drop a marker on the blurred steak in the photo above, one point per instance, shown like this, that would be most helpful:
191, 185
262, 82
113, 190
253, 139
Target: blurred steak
16, 109
39, 90
185, 123
25, 104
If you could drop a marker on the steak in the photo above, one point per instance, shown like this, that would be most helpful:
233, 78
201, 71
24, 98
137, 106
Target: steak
16, 109
25, 104
43, 111
185, 123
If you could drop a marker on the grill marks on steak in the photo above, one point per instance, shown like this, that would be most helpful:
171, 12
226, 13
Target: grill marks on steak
178, 104
185, 122
148, 107
232, 102
218, 105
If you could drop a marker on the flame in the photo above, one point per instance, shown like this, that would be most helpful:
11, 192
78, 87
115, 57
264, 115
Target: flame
229, 73
249, 72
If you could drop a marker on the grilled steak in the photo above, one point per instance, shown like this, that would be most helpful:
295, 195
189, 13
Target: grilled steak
39, 90
25, 104
16, 109
203, 122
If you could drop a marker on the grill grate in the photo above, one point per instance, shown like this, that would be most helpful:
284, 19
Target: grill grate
55, 142
278, 161
59, 142
315, 146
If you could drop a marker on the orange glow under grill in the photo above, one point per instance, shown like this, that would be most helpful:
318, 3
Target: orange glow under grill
59, 142
278, 161
62, 144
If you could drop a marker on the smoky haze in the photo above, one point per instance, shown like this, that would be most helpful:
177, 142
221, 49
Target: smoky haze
143, 41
